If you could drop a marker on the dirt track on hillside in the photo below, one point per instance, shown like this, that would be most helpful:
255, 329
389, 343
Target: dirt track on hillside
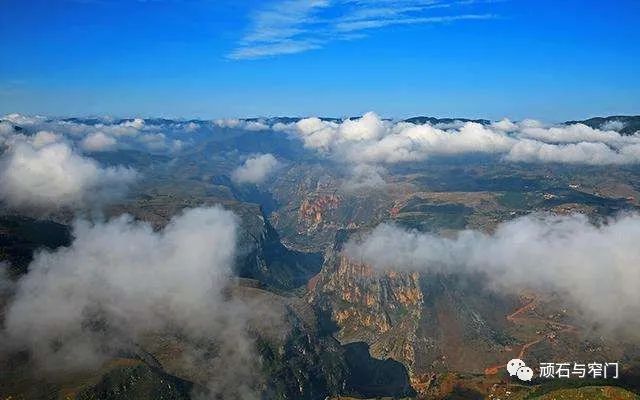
516, 318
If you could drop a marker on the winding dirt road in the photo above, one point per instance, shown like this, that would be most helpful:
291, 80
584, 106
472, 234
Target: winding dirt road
516, 318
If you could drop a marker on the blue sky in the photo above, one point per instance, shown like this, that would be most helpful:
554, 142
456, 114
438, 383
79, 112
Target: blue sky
551, 60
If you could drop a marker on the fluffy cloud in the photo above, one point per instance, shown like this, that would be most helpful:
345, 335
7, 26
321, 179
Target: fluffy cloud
75, 128
256, 169
120, 280
20, 119
369, 140
410, 142
53, 175
104, 134
314, 132
504, 125
596, 266
574, 134
365, 176
98, 141
234, 123
326, 135
191, 127
227, 123
372, 140
369, 143
614, 125
137, 123
5, 129
44, 138
155, 141
573, 153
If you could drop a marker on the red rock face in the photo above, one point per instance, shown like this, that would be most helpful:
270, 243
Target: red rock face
381, 309
313, 212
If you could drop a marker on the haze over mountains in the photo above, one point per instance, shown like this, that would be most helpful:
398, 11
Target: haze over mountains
306, 258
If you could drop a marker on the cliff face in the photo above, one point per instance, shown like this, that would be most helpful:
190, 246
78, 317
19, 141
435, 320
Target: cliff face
380, 309
315, 211
367, 304
428, 323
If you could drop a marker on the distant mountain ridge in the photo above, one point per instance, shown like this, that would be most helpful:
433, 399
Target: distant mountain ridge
625, 124
435, 121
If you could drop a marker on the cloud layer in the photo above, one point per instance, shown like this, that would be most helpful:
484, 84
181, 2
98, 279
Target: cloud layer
47, 163
248, 125
120, 280
43, 174
98, 141
365, 146
256, 169
596, 266
107, 134
371, 140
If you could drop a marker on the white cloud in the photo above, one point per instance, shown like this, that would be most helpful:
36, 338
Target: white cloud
267, 50
191, 127
124, 129
369, 127
530, 123
102, 134
315, 133
235, 123
227, 122
573, 153
120, 280
98, 141
370, 140
255, 126
256, 169
5, 129
324, 135
597, 267
504, 125
153, 141
276, 28
359, 25
365, 176
291, 26
613, 125
22, 120
44, 138
136, 123
573, 134
55, 176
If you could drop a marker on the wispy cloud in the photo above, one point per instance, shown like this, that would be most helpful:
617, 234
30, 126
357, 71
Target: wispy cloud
351, 26
270, 49
295, 26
